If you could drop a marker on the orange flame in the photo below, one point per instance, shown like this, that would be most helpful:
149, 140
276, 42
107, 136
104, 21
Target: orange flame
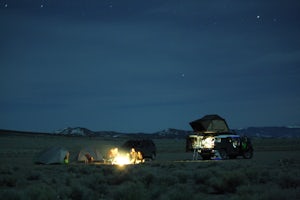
125, 158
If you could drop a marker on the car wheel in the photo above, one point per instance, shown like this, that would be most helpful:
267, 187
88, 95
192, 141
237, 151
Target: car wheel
223, 154
248, 154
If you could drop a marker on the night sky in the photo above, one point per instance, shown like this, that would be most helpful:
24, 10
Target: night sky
144, 66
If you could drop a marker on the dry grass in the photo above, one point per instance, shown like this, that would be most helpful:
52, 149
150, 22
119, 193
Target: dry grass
273, 173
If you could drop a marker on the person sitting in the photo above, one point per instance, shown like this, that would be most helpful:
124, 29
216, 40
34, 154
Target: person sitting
140, 158
66, 158
112, 154
133, 156
89, 158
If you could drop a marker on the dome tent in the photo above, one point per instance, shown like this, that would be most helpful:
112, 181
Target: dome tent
89, 151
52, 155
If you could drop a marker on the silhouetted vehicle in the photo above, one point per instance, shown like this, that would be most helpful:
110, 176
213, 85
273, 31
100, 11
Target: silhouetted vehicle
221, 146
213, 139
146, 147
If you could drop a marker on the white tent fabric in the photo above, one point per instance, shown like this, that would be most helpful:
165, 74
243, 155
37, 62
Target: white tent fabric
52, 155
91, 151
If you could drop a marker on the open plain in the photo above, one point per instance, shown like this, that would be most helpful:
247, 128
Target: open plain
273, 172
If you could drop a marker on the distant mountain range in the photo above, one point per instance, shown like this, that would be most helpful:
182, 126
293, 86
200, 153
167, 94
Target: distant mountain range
260, 132
269, 132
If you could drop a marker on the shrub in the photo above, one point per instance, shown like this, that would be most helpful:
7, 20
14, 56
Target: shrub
119, 179
276, 194
252, 174
155, 192
10, 195
251, 191
102, 190
130, 191
201, 177
167, 180
286, 162
63, 192
77, 192
33, 176
148, 179
156, 164
264, 177
233, 180
68, 181
96, 183
15, 168
178, 192
8, 181
107, 170
6, 170
41, 192
225, 183
72, 169
263, 192
182, 176
85, 170
286, 181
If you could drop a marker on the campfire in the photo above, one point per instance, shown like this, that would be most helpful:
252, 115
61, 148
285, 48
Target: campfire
121, 158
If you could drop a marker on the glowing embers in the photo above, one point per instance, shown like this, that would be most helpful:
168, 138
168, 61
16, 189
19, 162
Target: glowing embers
120, 158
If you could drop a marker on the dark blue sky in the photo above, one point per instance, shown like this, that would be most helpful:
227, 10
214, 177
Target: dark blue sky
143, 66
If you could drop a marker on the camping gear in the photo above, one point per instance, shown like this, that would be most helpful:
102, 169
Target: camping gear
210, 123
212, 139
53, 155
90, 154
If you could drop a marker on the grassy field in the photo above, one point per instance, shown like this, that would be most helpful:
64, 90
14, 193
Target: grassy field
273, 173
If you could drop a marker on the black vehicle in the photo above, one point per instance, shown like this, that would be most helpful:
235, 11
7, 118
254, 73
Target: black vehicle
213, 140
221, 146
146, 147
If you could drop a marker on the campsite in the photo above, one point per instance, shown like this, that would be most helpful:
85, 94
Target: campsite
272, 173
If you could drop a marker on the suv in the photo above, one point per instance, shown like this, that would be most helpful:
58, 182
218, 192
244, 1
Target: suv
146, 147
213, 139
221, 146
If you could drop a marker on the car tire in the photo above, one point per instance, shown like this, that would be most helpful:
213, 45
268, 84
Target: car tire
248, 154
223, 154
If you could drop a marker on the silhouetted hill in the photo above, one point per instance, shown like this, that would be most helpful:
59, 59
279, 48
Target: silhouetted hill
270, 132
77, 131
264, 132
260, 132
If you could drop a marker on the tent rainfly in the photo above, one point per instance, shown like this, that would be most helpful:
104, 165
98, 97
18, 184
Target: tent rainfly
52, 155
210, 123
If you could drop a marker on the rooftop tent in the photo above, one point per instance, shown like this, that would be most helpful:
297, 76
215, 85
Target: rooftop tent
52, 155
210, 123
91, 151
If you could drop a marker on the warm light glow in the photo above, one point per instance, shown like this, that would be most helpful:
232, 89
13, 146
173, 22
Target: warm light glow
124, 158
121, 159
208, 142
